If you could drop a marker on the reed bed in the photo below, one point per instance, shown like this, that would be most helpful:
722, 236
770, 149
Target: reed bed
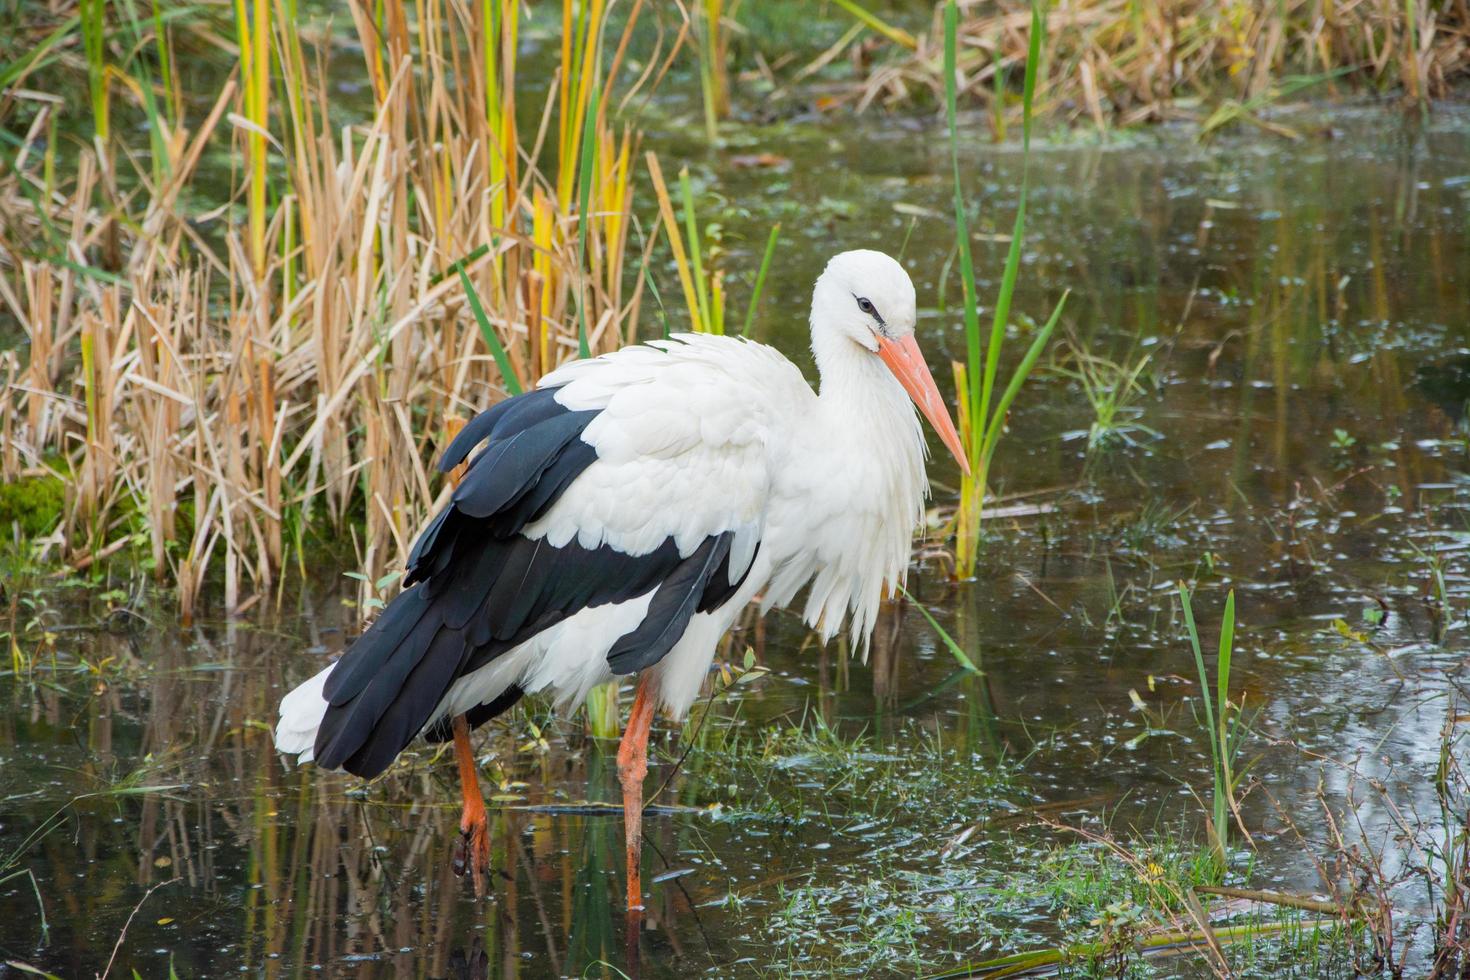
1122, 62
224, 389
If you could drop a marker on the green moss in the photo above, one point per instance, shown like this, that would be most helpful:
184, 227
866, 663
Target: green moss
35, 502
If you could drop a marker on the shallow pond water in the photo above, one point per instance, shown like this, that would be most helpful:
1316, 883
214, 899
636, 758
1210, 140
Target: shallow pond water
1297, 434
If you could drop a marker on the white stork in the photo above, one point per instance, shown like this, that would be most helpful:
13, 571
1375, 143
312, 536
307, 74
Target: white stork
620, 517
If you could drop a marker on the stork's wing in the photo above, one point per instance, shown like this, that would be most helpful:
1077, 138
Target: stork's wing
641, 471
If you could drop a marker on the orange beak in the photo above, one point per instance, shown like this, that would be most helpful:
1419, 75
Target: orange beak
906, 361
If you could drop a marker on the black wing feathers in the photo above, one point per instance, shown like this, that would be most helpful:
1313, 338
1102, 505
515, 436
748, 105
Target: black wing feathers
373, 648
392, 679
671, 608
720, 588
501, 419
476, 587
506, 470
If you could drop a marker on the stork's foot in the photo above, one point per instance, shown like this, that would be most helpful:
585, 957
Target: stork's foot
472, 850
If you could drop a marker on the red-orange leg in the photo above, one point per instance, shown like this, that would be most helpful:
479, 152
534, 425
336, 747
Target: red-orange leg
472, 852
632, 767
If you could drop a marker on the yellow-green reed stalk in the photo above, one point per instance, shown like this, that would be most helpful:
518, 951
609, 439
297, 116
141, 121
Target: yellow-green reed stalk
581, 36
709, 294
895, 34
760, 279
89, 387
294, 89
615, 173
94, 42
543, 228
1222, 722
982, 415
714, 76
502, 22
602, 711
140, 82
676, 241
252, 31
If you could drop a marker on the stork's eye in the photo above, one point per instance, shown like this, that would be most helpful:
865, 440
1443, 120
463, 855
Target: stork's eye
866, 305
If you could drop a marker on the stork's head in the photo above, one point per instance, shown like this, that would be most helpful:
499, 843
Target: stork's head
867, 298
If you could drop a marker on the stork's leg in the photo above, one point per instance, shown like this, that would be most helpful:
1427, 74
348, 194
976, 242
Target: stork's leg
632, 767
473, 849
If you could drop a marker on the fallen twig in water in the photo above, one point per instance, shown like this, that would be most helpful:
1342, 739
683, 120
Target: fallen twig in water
123, 935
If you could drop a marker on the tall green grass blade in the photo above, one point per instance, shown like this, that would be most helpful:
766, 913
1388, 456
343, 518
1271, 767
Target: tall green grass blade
760, 279
1013, 255
959, 655
1225, 784
895, 34
961, 219
160, 43
1199, 662
460, 265
1217, 707
94, 44
696, 250
143, 74
39, 56
1023, 370
1227, 645
492, 339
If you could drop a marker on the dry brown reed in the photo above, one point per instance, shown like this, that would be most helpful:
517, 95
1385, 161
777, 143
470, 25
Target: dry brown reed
213, 389
1121, 62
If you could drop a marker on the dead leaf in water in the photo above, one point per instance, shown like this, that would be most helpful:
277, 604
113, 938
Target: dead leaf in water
759, 161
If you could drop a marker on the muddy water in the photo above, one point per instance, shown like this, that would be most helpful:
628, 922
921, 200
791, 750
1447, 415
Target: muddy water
1298, 436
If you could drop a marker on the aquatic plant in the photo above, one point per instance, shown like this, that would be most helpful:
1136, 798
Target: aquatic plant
1112, 390
704, 288
713, 52
983, 407
1222, 725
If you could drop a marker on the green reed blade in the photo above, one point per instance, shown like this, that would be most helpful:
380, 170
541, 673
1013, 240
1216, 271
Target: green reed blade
1018, 378
1199, 661
696, 250
962, 227
1013, 255
1227, 644
760, 279
954, 648
39, 55
492, 339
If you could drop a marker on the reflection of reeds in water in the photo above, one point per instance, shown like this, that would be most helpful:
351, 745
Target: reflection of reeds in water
228, 392
177, 781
